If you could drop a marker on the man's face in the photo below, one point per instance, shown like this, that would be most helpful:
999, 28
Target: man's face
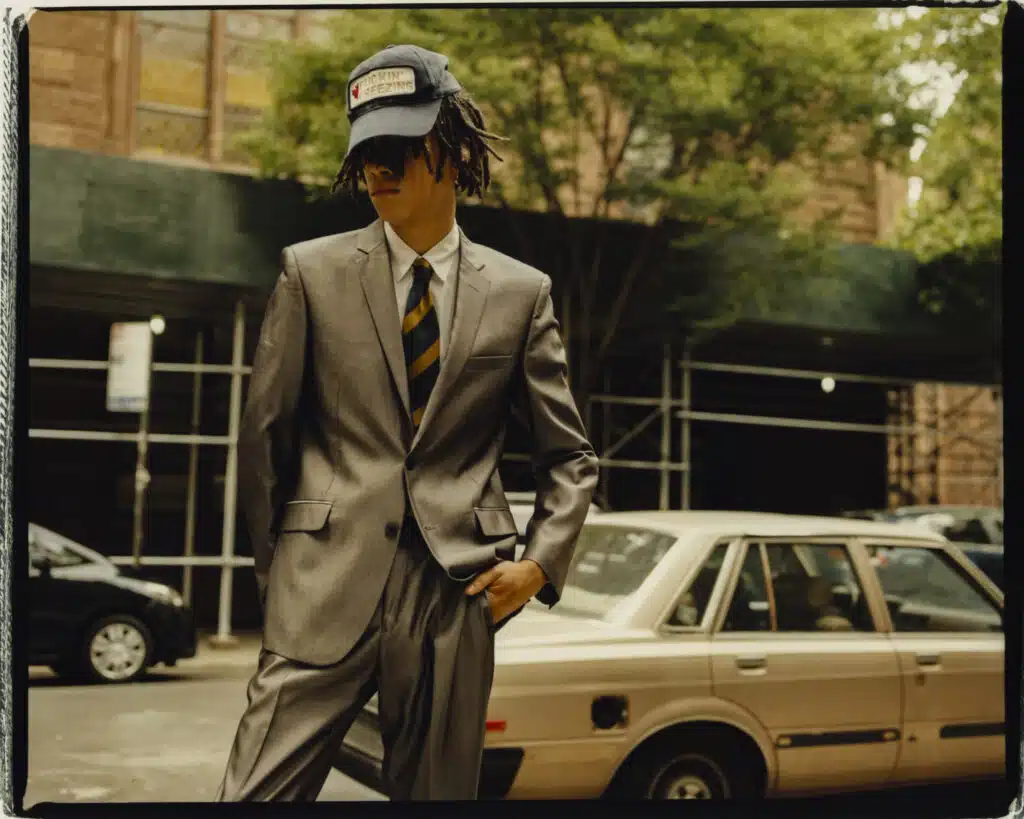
410, 194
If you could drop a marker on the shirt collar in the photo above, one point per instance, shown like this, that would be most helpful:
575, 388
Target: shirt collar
402, 256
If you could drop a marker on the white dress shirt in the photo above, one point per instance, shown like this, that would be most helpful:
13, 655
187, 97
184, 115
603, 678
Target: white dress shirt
444, 258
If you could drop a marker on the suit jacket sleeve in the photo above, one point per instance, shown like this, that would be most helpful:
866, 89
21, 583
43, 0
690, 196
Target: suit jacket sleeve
267, 441
564, 462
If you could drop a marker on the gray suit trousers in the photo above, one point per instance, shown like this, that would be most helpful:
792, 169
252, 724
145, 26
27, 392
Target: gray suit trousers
428, 652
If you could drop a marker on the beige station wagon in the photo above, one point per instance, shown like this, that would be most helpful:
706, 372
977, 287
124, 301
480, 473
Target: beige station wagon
708, 655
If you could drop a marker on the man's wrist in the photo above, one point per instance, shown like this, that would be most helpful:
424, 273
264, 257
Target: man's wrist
540, 576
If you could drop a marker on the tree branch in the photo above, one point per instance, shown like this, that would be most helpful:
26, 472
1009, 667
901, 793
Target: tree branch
612, 170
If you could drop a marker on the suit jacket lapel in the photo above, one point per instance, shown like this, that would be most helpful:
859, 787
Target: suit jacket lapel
470, 297
379, 287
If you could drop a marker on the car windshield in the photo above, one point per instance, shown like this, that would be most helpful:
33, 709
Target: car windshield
610, 564
57, 550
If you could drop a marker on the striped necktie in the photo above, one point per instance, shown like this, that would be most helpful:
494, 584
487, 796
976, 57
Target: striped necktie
421, 338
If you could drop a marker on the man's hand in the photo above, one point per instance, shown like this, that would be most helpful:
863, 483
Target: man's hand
509, 586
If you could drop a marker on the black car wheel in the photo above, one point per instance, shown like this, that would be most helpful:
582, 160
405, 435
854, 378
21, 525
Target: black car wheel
691, 764
116, 648
688, 776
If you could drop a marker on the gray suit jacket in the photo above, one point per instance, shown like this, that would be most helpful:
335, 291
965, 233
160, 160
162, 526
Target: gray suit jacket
328, 453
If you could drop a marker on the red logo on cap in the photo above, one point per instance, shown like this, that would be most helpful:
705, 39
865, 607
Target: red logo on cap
355, 92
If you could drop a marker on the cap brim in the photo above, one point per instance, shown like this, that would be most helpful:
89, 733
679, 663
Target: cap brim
394, 120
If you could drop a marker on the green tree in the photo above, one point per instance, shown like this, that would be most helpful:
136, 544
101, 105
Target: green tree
697, 123
955, 228
959, 211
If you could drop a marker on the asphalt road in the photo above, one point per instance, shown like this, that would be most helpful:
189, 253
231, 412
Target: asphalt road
165, 739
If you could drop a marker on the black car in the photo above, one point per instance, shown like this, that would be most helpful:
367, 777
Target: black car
91, 621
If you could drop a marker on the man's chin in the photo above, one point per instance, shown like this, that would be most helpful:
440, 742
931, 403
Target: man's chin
387, 210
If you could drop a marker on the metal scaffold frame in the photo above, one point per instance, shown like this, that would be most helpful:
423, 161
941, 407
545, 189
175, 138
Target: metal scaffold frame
668, 406
237, 370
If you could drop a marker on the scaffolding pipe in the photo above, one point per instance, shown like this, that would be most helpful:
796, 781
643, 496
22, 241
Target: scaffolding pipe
631, 434
166, 367
685, 425
794, 423
788, 372
236, 561
231, 479
606, 440
128, 437
193, 468
141, 473
666, 426
625, 464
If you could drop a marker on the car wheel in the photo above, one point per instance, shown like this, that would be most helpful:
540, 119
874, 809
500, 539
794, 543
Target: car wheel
116, 648
690, 765
688, 776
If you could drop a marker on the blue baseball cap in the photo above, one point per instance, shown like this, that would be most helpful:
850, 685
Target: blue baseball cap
397, 92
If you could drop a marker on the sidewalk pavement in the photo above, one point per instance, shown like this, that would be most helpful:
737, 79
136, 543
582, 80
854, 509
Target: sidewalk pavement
241, 651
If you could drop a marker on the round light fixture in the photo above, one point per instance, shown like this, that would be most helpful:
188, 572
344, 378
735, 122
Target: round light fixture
828, 383
157, 324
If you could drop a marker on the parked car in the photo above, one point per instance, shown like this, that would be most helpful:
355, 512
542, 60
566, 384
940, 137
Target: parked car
961, 524
91, 621
709, 655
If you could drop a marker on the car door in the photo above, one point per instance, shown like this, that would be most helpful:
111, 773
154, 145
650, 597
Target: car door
44, 629
947, 629
797, 645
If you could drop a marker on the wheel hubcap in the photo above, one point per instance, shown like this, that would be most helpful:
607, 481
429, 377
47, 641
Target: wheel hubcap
117, 651
688, 787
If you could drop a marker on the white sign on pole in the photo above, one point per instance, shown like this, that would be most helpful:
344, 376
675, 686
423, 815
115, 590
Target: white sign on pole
131, 348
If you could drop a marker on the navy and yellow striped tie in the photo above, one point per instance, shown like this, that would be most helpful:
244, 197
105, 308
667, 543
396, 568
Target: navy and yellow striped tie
421, 338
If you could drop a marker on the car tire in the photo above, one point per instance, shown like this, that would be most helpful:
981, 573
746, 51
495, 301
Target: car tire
697, 764
116, 648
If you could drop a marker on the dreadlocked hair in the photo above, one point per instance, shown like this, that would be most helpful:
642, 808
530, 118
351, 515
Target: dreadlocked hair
462, 140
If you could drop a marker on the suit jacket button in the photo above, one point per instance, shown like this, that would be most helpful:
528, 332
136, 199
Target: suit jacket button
410, 462
391, 531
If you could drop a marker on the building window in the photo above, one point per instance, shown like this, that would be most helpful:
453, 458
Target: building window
248, 36
203, 76
172, 109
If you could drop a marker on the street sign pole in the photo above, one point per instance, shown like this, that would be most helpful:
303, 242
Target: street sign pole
128, 377
141, 485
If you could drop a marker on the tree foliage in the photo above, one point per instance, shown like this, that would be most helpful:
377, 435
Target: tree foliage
959, 212
698, 123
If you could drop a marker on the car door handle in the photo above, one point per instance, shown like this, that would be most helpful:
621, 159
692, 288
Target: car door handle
750, 662
928, 660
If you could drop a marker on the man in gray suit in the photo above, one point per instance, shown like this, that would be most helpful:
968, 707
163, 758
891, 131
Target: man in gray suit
388, 363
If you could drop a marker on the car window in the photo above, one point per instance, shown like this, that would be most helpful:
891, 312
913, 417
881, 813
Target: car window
990, 562
926, 591
971, 530
693, 604
816, 588
749, 609
45, 550
609, 564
